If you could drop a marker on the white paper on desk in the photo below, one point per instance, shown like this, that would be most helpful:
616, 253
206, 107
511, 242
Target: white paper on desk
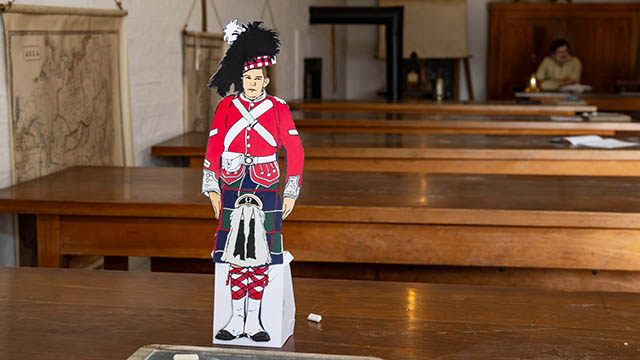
610, 144
576, 88
596, 141
582, 139
566, 118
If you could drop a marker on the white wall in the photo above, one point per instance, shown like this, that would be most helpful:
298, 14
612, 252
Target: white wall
155, 65
7, 248
366, 74
477, 44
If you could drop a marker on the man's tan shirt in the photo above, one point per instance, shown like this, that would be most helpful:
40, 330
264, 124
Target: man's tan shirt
551, 73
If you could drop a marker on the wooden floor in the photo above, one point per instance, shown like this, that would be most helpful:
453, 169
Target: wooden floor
79, 314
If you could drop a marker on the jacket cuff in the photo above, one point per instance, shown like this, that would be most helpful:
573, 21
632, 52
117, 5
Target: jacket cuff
209, 182
292, 189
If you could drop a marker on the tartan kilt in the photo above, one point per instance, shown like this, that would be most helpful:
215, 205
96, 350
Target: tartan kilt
271, 205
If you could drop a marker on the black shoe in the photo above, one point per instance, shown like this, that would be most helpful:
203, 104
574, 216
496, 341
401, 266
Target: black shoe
225, 335
261, 336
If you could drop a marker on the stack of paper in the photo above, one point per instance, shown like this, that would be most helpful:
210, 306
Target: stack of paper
566, 118
596, 141
608, 116
576, 88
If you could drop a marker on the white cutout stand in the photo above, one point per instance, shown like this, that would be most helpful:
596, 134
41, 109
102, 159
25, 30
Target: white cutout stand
278, 305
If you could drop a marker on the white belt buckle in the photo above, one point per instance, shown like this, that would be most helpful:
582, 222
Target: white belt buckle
248, 160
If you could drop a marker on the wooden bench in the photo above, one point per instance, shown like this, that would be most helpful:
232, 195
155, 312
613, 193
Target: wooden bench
76, 314
366, 122
441, 153
434, 107
502, 221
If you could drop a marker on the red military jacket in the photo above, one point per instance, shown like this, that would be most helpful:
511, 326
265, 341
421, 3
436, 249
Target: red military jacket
249, 133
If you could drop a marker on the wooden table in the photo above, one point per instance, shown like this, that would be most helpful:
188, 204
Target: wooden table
366, 122
438, 153
614, 102
81, 314
434, 107
512, 221
625, 102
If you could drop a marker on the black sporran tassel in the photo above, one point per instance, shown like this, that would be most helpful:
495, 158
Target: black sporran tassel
239, 250
251, 245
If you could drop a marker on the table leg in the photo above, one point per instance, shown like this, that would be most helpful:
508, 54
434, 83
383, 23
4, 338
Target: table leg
196, 162
48, 228
28, 240
467, 75
116, 263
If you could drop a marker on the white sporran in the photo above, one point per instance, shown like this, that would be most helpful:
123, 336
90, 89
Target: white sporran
247, 244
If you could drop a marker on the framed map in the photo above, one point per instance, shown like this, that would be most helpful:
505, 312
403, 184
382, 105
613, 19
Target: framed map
68, 89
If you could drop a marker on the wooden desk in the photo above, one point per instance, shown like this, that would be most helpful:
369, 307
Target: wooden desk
606, 102
614, 102
543, 222
441, 153
81, 314
434, 107
334, 122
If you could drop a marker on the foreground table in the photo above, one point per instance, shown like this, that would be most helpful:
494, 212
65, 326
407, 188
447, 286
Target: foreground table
447, 107
438, 153
540, 222
388, 122
80, 314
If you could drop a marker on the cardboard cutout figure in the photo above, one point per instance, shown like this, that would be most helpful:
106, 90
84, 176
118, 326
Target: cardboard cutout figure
241, 175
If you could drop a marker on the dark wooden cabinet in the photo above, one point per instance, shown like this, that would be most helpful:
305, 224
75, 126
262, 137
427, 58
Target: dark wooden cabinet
603, 36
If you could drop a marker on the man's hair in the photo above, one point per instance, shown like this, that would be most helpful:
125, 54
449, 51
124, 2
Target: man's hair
559, 43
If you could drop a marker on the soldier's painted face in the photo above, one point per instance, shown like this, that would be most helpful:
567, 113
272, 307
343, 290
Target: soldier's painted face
253, 81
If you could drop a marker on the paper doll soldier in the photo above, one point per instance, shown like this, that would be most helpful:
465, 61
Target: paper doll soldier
241, 173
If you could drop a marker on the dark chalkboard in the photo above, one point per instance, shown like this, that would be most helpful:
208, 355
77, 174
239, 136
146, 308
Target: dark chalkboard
167, 352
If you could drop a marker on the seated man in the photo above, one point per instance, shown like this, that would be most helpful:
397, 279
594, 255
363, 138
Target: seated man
559, 68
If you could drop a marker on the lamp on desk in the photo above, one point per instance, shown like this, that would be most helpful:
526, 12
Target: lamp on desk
533, 85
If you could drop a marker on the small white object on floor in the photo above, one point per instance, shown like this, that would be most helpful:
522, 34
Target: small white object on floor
314, 317
626, 344
186, 357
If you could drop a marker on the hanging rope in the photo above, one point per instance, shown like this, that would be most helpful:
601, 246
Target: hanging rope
265, 7
7, 6
215, 11
186, 22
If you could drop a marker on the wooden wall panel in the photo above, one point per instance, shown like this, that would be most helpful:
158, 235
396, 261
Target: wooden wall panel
603, 36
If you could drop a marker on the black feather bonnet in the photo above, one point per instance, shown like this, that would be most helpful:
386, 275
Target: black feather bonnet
251, 46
